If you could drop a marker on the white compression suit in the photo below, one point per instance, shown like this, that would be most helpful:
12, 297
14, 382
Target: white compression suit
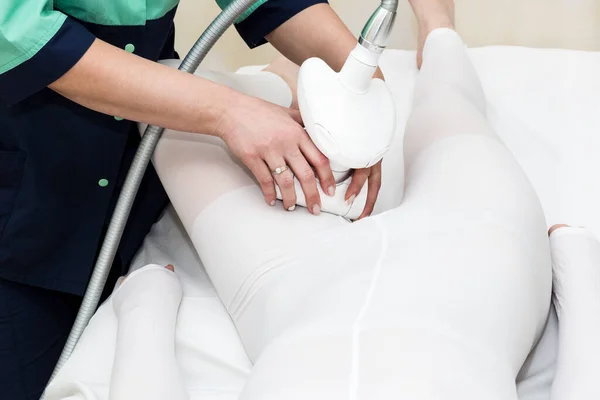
440, 298
576, 266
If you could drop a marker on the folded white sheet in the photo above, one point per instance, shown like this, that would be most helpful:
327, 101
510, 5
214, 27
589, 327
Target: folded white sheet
542, 103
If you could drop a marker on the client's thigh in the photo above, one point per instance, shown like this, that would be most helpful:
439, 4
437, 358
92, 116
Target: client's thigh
470, 268
239, 238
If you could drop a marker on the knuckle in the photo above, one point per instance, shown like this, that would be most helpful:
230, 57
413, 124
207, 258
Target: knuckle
276, 141
300, 132
249, 154
269, 144
287, 181
266, 181
322, 161
262, 148
306, 176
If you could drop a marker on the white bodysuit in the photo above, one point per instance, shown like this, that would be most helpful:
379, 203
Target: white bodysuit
442, 297
576, 266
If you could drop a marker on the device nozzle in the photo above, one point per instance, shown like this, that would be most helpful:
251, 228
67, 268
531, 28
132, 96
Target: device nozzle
378, 29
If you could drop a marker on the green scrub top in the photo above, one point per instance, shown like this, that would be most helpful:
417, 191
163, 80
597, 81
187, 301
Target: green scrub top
27, 25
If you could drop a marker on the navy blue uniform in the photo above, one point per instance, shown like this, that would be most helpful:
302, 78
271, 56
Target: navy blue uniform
61, 170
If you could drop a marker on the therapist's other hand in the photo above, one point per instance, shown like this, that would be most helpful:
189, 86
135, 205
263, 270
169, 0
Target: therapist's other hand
359, 178
371, 175
266, 137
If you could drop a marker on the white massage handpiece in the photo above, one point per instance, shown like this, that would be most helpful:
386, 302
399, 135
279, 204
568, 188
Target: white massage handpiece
350, 117
334, 204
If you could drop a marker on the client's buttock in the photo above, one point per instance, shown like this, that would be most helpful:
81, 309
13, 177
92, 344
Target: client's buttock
419, 313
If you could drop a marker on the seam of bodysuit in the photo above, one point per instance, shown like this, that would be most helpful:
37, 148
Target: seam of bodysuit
356, 326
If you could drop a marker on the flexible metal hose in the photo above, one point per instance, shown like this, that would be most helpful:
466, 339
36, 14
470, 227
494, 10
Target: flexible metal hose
134, 177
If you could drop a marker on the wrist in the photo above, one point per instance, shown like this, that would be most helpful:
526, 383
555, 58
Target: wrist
223, 111
214, 118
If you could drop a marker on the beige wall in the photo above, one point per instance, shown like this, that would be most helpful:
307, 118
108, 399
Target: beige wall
571, 24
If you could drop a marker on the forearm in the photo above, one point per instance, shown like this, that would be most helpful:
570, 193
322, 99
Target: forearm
314, 32
112, 81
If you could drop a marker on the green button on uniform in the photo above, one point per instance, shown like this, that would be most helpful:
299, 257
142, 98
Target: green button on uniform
103, 182
130, 48
119, 118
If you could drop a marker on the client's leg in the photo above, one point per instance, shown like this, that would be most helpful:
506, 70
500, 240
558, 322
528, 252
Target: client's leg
146, 306
576, 266
471, 251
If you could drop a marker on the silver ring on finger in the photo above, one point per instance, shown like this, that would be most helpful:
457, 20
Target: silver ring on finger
279, 170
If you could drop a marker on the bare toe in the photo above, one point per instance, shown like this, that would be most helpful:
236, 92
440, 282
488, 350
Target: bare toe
557, 226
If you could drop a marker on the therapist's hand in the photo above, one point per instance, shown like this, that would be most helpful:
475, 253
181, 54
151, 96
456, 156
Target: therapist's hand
371, 175
359, 178
266, 137
288, 71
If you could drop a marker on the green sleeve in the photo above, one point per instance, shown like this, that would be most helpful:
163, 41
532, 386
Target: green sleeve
25, 28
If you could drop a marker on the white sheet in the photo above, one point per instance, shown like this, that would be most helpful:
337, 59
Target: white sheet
542, 103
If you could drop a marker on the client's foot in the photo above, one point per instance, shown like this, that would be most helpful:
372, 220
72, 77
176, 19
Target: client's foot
431, 15
152, 286
576, 288
288, 71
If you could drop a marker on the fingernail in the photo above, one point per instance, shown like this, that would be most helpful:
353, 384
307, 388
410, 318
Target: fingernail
316, 209
292, 208
272, 203
331, 191
351, 199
